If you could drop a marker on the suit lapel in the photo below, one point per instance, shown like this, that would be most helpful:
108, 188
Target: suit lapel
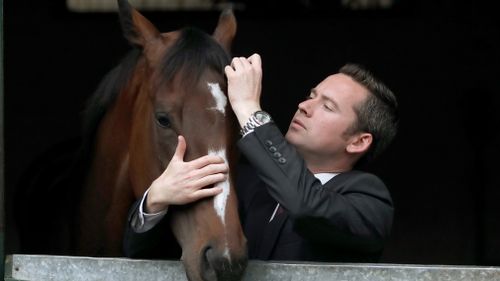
272, 231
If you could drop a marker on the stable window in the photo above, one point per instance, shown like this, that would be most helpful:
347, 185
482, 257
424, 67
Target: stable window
85, 6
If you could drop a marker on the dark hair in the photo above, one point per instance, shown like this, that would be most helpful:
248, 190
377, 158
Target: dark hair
377, 115
193, 53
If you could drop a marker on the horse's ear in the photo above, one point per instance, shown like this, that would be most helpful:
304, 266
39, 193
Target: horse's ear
226, 29
136, 28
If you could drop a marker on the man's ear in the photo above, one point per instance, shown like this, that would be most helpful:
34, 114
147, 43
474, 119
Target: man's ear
360, 143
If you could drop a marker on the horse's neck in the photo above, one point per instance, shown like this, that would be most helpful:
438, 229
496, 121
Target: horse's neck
110, 164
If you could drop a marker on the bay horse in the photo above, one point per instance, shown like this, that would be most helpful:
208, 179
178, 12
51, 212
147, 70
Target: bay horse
171, 84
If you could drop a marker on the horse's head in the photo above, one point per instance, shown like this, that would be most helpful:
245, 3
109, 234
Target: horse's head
181, 90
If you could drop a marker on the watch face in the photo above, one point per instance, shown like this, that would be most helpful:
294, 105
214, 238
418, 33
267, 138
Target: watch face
262, 116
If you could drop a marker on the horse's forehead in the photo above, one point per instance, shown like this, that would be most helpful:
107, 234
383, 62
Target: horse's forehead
207, 92
210, 97
220, 98
214, 83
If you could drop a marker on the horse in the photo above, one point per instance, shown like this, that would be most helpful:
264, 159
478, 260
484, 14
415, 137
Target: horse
170, 84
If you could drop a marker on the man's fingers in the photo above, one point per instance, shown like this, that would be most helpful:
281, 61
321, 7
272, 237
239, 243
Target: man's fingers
229, 70
209, 180
242, 63
206, 192
255, 60
206, 160
237, 63
213, 169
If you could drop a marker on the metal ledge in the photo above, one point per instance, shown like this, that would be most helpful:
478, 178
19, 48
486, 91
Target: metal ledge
44, 268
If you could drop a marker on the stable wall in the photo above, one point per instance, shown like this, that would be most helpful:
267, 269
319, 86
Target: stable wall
441, 59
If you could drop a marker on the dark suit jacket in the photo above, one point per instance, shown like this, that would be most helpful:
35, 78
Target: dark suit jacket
347, 219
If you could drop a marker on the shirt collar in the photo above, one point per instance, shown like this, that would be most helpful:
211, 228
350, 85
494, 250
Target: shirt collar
325, 177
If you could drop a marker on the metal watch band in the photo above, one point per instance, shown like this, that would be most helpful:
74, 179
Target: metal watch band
253, 122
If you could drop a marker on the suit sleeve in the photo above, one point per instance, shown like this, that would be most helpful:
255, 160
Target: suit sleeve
155, 243
358, 206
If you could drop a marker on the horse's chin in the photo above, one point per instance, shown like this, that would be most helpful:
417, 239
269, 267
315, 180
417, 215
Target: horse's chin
193, 268
212, 266
206, 256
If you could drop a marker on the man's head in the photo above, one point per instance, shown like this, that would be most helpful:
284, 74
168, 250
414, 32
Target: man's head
347, 116
378, 115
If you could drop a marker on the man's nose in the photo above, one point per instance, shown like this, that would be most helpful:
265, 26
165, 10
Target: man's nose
305, 107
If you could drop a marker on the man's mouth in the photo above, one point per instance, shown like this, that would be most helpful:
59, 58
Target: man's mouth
298, 123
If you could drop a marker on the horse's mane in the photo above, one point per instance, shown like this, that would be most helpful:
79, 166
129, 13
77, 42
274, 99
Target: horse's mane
106, 93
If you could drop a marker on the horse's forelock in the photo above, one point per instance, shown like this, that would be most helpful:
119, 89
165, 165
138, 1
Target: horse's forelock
191, 55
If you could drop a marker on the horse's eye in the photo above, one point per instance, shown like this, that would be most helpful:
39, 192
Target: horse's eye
163, 120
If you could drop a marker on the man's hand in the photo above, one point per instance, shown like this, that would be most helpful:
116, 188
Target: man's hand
184, 182
244, 84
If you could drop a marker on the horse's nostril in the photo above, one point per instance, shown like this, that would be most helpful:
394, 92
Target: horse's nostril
219, 266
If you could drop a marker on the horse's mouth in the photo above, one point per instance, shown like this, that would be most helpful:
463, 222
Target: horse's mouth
220, 266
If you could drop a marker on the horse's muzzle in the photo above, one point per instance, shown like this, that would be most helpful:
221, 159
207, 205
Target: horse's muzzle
219, 266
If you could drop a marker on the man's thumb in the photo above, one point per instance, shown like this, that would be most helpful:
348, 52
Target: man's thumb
181, 148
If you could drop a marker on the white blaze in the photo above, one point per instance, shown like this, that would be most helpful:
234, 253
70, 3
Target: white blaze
220, 199
219, 97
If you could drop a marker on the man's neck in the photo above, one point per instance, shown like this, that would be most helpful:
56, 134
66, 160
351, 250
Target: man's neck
320, 163
325, 166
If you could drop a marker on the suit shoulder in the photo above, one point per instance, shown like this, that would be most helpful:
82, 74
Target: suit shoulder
356, 176
359, 181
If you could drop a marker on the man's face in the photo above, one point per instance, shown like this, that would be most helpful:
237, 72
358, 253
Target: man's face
319, 125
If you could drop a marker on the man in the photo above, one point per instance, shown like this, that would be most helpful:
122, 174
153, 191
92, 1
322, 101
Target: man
307, 202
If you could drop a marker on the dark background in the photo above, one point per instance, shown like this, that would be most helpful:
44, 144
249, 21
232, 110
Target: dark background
440, 58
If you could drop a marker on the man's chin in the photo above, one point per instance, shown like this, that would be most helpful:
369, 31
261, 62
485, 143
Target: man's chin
291, 137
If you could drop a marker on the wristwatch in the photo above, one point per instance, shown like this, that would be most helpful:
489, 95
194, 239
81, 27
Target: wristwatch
257, 119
